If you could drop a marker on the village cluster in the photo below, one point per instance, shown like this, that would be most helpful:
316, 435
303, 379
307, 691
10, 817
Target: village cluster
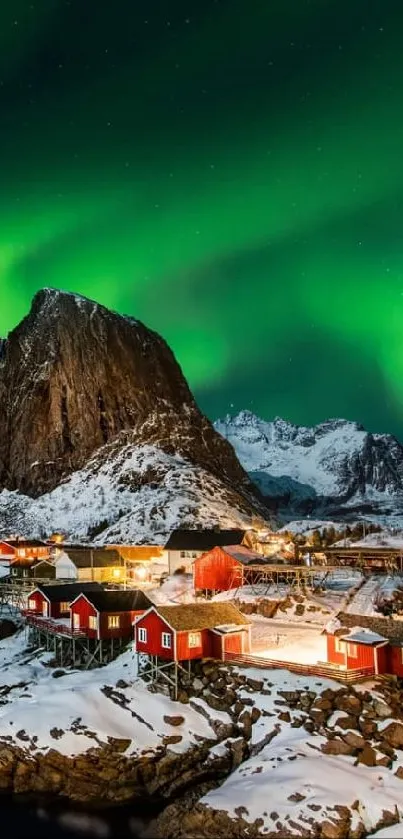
86, 603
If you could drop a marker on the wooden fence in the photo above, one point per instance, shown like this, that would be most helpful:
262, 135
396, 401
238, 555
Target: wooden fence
321, 670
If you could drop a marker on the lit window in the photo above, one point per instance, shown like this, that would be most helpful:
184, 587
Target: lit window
65, 607
92, 622
194, 639
352, 650
166, 640
338, 645
32, 605
113, 621
116, 572
142, 634
22, 552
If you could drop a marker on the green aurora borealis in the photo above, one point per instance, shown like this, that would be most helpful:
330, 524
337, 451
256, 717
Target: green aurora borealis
229, 172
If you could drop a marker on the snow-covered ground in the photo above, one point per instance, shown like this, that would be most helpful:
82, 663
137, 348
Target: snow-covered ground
64, 713
375, 589
292, 764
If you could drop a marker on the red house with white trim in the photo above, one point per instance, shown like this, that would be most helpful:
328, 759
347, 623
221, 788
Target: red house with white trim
192, 631
105, 615
55, 601
221, 568
357, 649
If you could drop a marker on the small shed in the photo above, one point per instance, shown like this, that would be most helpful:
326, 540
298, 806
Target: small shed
54, 601
108, 614
358, 648
192, 631
40, 569
222, 568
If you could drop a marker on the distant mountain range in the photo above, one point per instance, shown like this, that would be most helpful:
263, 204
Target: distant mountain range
335, 469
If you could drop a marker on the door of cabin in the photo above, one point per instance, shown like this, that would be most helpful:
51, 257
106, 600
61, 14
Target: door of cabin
45, 609
76, 621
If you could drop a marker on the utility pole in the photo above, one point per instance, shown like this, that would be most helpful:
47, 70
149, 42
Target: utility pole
92, 564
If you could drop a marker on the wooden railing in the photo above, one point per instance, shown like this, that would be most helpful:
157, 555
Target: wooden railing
322, 670
52, 626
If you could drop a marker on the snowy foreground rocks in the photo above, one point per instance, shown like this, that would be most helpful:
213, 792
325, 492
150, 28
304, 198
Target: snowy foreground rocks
244, 753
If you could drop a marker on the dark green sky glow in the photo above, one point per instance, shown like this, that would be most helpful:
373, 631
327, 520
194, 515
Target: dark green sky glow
229, 172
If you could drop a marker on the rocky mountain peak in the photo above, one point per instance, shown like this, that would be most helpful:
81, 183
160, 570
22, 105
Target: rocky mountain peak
333, 468
74, 375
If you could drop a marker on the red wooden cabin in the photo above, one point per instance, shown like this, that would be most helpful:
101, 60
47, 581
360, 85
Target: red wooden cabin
55, 601
222, 568
192, 631
108, 614
358, 648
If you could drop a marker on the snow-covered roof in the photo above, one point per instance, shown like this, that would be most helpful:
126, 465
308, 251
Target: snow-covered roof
359, 635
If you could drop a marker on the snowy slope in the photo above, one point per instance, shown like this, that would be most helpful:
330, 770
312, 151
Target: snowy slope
127, 493
336, 464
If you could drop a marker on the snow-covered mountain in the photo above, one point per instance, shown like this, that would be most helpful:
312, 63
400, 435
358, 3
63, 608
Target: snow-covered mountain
101, 436
334, 469
128, 492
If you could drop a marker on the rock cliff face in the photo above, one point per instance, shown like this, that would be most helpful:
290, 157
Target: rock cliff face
336, 468
73, 376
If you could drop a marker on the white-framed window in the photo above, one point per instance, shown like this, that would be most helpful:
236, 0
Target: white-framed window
166, 640
352, 650
14, 571
194, 639
183, 554
92, 622
32, 605
65, 606
22, 552
113, 621
142, 634
25, 572
338, 645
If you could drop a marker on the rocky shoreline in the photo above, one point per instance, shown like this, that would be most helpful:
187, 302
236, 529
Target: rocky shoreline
358, 723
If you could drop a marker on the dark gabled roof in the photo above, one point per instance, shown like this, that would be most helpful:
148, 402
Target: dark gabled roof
96, 557
203, 540
119, 601
197, 616
67, 592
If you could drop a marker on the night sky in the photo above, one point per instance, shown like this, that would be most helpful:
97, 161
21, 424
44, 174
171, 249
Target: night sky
228, 171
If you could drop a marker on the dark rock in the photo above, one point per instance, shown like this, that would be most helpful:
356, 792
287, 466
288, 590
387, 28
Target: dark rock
176, 720
57, 674
73, 375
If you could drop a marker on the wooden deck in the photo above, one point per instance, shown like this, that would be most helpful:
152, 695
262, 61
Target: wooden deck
324, 671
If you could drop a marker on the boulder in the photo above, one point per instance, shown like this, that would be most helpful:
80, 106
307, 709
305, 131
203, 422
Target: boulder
255, 684
393, 735
367, 756
382, 709
355, 740
171, 739
348, 702
176, 720
337, 747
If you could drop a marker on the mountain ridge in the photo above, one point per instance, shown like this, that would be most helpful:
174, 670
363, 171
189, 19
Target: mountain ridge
334, 468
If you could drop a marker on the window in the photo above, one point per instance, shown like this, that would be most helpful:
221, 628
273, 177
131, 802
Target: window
92, 622
194, 639
166, 640
142, 634
65, 607
25, 572
116, 572
22, 552
32, 605
113, 621
183, 554
14, 571
338, 646
352, 650
195, 554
